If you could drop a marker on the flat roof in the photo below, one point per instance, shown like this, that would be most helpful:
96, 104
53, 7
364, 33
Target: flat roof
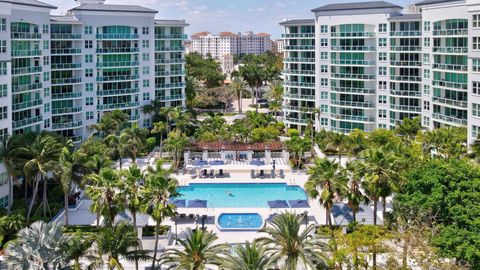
356, 6
171, 22
432, 2
298, 22
114, 8
406, 17
33, 3
65, 18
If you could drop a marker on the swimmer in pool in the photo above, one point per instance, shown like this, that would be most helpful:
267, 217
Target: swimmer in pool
228, 192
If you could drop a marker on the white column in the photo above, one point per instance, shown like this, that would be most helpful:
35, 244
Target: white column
205, 155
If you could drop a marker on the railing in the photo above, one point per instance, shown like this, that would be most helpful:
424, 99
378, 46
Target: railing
353, 90
299, 84
353, 34
405, 78
66, 51
70, 80
299, 96
299, 47
297, 120
304, 109
26, 87
169, 49
296, 71
25, 70
76, 139
172, 97
298, 35
450, 119
66, 66
67, 95
118, 64
66, 110
118, 50
118, 78
353, 76
117, 105
170, 61
364, 104
26, 121
169, 85
405, 33
117, 36
448, 84
353, 48
20, 53
170, 73
65, 36
26, 104
451, 67
446, 49
406, 63
358, 118
299, 59
67, 125
126, 91
452, 102
353, 62
170, 36
406, 48
406, 108
25, 35
450, 32
406, 93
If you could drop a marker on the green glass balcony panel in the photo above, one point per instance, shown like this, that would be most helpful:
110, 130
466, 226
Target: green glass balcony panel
303, 109
118, 106
449, 119
26, 70
353, 48
170, 73
172, 97
297, 120
448, 84
66, 110
299, 47
25, 35
450, 102
170, 61
406, 63
301, 72
453, 50
118, 78
169, 49
353, 76
353, 34
405, 48
169, 85
66, 66
115, 92
117, 36
356, 118
67, 125
451, 32
118, 64
26, 104
298, 35
66, 51
71, 80
299, 84
405, 93
451, 67
26, 53
354, 90
26, 122
65, 36
405, 78
364, 104
406, 108
171, 36
118, 50
134, 118
26, 87
73, 95
299, 96
405, 33
299, 60
352, 62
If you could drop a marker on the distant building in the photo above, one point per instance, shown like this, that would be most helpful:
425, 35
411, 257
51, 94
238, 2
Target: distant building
277, 46
224, 43
226, 63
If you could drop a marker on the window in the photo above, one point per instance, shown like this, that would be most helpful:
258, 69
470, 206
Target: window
324, 68
3, 112
45, 29
426, 73
382, 99
46, 92
324, 42
382, 71
324, 121
146, 57
3, 68
89, 87
89, 101
88, 58
146, 70
323, 95
476, 21
382, 28
476, 43
88, 44
88, 72
324, 29
3, 90
46, 61
382, 42
3, 46
476, 88
145, 43
46, 123
382, 113
476, 65
3, 25
426, 105
146, 96
426, 59
324, 108
382, 126
324, 55
46, 76
46, 107
145, 30
45, 44
426, 121
89, 115
382, 85
426, 89
323, 82
146, 83
88, 30
382, 56
476, 109
426, 26
426, 42
146, 123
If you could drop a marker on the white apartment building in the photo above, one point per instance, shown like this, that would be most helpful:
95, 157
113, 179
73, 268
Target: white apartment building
224, 43
377, 64
62, 73
278, 46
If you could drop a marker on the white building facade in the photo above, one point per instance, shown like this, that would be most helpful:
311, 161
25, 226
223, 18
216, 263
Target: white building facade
376, 65
62, 73
224, 43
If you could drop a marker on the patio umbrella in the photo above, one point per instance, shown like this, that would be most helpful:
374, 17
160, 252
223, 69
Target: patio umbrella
217, 162
197, 204
178, 203
257, 162
278, 204
271, 217
299, 204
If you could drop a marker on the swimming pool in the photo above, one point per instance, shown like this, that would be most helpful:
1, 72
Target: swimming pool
241, 195
240, 221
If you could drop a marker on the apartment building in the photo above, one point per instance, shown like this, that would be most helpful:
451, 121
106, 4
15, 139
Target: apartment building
62, 73
205, 43
377, 63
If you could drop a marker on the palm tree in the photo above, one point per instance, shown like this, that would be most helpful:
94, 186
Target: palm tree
175, 143
239, 85
106, 197
409, 128
275, 90
159, 128
248, 256
198, 251
155, 109
111, 123
355, 195
118, 243
13, 163
156, 192
118, 146
132, 179
180, 119
338, 143
327, 183
291, 244
77, 250
254, 77
135, 137
39, 246
275, 107
356, 142
43, 154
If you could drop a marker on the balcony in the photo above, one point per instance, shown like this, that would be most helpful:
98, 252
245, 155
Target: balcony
298, 60
353, 34
65, 36
447, 84
405, 93
405, 48
26, 104
406, 108
405, 33
118, 78
304, 109
360, 104
115, 92
405, 78
299, 48
353, 48
353, 90
170, 73
118, 64
66, 51
169, 85
355, 118
118, 50
353, 62
297, 120
134, 118
451, 67
353, 76
76, 139
170, 61
406, 63
450, 102
298, 35
172, 97
66, 125
67, 110
25, 35
26, 70
169, 49
73, 95
117, 36
454, 50
115, 106
450, 32
299, 84
449, 119
26, 87
299, 96
299, 72
71, 80
26, 122
26, 53
170, 36
66, 66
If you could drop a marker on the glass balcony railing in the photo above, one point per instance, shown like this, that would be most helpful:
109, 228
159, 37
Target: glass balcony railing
451, 67
405, 48
300, 47
304, 109
353, 48
170, 61
299, 84
298, 35
27, 121
450, 32
67, 110
26, 70
300, 72
118, 64
115, 92
76, 139
353, 76
353, 62
66, 66
170, 73
26, 87
65, 36
169, 49
406, 108
170, 36
71, 80
26, 53
118, 50
364, 104
299, 96
67, 125
451, 102
117, 36
405, 93
405, 78
169, 85
406, 63
357, 118
353, 34
405, 33
66, 51
354, 90
114, 106
72, 95
449, 119
448, 84
297, 120
446, 49
25, 35
134, 118
172, 97
118, 78
26, 104
299, 60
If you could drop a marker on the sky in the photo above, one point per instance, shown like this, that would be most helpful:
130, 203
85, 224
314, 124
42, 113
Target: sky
227, 15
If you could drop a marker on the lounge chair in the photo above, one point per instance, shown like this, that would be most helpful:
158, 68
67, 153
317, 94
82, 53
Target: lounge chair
193, 174
273, 174
191, 216
204, 173
220, 173
252, 174
212, 173
282, 174
262, 174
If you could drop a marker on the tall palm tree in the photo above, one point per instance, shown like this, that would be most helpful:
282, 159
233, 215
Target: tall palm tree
110, 123
248, 256
356, 142
43, 155
180, 119
291, 244
338, 143
155, 109
77, 251
108, 201
13, 163
132, 179
118, 243
159, 128
327, 183
39, 246
156, 192
239, 85
175, 143
118, 146
275, 90
275, 107
198, 252
254, 76
135, 137
355, 195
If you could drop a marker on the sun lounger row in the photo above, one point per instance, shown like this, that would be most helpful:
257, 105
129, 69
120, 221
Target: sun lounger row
262, 174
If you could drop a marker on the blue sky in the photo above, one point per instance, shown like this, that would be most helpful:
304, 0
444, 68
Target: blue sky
227, 15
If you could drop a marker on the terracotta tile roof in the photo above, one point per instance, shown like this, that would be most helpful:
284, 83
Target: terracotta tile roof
263, 35
201, 34
222, 34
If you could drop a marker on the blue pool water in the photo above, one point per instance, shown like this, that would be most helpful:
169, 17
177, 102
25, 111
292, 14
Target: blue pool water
240, 221
241, 195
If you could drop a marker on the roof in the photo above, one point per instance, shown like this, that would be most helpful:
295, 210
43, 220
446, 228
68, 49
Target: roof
298, 22
356, 6
264, 35
113, 8
226, 33
171, 22
219, 146
432, 2
33, 3
406, 17
201, 34
342, 215
60, 18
